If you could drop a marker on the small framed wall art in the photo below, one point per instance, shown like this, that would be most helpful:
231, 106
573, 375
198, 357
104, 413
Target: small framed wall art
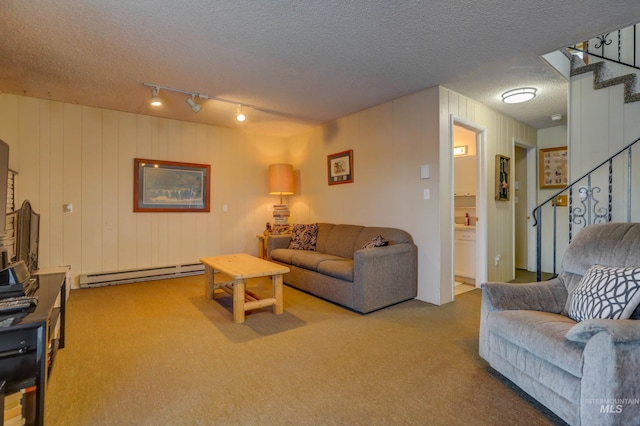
169, 186
340, 167
553, 171
502, 178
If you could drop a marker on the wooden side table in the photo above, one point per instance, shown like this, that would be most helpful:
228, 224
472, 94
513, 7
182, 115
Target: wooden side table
262, 246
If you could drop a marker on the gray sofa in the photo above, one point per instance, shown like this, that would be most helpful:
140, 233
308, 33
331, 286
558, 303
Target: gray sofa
340, 271
585, 372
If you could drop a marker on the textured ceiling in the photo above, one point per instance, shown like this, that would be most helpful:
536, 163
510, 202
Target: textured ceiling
301, 62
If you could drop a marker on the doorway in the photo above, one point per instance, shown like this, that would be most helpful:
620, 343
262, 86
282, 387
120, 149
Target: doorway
524, 199
469, 206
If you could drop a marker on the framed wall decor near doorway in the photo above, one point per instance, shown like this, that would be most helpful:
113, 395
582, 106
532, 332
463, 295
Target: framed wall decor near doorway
170, 186
553, 171
503, 178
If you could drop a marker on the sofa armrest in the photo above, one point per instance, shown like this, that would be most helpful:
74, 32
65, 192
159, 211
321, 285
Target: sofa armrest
621, 331
384, 275
276, 242
547, 296
610, 390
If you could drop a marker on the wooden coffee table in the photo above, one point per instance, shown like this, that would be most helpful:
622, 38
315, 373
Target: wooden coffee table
239, 267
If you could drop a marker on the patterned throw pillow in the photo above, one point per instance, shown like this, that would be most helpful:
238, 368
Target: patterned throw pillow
606, 292
304, 237
376, 242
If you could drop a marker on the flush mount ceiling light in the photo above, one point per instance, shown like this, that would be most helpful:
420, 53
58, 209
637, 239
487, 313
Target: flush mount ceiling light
240, 115
192, 103
520, 95
155, 99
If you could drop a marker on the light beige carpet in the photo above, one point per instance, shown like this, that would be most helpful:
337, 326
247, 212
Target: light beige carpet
159, 353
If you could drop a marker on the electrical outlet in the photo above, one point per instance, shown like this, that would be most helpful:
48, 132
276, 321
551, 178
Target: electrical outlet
497, 259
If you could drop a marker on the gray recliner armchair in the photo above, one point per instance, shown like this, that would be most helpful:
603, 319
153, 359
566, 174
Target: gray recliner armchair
586, 372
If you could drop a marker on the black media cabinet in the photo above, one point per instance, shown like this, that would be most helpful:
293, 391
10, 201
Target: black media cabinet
29, 340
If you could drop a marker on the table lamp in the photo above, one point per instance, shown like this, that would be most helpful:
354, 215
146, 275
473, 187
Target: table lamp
281, 182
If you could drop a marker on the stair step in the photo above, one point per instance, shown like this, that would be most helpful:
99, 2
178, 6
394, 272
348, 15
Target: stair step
602, 77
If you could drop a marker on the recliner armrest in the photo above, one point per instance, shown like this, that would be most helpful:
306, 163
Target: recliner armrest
547, 296
621, 331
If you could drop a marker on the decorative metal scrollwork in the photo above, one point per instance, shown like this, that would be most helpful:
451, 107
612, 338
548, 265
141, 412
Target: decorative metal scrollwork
602, 41
589, 213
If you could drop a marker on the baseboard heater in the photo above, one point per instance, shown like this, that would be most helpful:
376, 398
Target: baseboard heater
138, 275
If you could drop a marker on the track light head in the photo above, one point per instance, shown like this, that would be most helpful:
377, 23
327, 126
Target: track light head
192, 103
155, 99
240, 115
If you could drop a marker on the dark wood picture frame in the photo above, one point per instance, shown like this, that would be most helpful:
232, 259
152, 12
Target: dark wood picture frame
503, 178
553, 168
340, 167
170, 186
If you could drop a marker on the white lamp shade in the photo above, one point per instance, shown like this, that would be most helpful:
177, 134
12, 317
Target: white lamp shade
281, 181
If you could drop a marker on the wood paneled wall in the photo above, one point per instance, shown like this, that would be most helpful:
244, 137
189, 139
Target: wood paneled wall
71, 154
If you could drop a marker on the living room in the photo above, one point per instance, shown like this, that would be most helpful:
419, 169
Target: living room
88, 156
81, 155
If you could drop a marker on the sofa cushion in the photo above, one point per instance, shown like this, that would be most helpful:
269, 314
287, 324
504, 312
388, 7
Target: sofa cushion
341, 240
541, 333
375, 242
303, 237
337, 268
606, 292
610, 244
394, 235
311, 259
283, 255
324, 229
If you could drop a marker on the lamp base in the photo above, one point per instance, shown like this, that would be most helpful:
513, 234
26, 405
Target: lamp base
280, 220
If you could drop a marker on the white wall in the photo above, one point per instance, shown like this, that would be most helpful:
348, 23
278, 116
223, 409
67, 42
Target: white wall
66, 153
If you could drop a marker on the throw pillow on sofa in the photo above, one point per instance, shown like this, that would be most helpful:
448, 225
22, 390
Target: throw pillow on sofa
304, 237
376, 242
606, 292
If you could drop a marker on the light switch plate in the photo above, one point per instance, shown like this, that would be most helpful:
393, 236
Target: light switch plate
424, 172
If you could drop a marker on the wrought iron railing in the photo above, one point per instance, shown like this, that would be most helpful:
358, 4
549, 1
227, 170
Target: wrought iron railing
584, 203
618, 46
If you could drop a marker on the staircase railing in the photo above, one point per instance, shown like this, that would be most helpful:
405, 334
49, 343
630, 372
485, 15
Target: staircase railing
584, 207
618, 46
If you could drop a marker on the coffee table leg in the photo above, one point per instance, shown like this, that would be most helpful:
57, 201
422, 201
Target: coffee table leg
238, 300
209, 284
276, 281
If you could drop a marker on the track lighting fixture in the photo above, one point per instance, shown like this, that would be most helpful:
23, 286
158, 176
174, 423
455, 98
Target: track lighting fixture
155, 99
191, 100
240, 115
192, 103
